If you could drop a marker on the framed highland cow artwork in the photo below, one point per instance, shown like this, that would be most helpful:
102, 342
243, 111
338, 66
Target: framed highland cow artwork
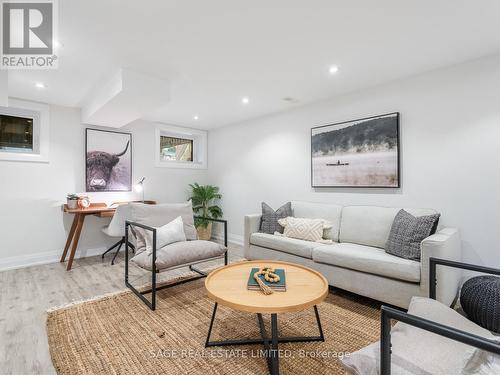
358, 153
108, 161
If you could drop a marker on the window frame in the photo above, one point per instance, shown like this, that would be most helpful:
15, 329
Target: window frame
199, 138
40, 115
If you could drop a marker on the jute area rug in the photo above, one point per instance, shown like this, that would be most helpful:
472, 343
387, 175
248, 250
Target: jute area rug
118, 334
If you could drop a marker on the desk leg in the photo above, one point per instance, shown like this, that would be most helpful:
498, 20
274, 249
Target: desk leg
78, 230
70, 238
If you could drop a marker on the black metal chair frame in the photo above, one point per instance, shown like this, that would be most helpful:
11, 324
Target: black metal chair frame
389, 313
154, 271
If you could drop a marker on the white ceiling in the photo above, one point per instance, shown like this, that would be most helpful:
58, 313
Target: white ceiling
215, 52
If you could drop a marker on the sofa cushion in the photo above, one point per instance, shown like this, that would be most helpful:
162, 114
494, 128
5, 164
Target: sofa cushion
408, 232
269, 221
371, 225
157, 215
303, 228
368, 259
179, 253
415, 351
293, 246
327, 211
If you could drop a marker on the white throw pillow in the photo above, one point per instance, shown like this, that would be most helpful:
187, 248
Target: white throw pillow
166, 234
304, 228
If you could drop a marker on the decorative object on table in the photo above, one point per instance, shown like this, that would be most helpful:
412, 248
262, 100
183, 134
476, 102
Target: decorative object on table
108, 164
358, 153
480, 299
139, 187
269, 222
267, 280
204, 198
304, 228
72, 201
84, 201
408, 232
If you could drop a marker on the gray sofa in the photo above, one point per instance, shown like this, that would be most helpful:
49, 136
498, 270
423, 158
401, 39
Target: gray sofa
356, 261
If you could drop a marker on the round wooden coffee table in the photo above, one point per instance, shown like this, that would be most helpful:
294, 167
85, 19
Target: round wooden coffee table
305, 288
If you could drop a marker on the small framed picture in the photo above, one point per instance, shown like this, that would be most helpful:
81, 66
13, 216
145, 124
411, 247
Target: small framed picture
108, 161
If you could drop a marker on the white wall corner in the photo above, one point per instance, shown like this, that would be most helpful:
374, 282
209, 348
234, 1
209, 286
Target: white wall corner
126, 96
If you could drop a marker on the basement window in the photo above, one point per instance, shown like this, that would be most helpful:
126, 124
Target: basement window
24, 132
178, 147
16, 134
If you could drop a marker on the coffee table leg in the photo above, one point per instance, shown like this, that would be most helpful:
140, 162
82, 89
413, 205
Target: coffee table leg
211, 325
275, 366
322, 337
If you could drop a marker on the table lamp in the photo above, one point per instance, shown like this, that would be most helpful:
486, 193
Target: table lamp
139, 187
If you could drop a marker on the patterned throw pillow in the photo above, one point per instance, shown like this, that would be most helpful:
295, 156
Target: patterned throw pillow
269, 222
303, 229
407, 232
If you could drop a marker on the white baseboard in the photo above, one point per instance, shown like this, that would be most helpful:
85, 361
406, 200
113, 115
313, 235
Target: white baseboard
22, 261
235, 239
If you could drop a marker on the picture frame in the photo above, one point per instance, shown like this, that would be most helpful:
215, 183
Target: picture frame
361, 153
108, 161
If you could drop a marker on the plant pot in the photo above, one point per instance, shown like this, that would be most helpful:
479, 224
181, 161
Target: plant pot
72, 203
205, 233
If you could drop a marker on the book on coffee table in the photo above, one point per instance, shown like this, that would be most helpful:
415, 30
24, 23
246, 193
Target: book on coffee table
280, 286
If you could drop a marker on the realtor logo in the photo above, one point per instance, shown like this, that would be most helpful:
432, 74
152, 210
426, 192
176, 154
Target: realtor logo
28, 35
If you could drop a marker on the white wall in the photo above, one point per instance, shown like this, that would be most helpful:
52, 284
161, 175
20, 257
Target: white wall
32, 227
450, 153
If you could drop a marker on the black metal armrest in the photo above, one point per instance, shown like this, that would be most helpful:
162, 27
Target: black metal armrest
218, 221
143, 226
433, 262
388, 313
133, 224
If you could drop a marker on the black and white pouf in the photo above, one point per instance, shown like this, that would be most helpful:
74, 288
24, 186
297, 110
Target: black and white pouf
480, 299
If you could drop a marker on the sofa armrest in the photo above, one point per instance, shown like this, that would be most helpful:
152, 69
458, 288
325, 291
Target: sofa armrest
444, 244
252, 225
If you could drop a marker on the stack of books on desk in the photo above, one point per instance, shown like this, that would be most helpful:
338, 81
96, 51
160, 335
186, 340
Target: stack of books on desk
280, 286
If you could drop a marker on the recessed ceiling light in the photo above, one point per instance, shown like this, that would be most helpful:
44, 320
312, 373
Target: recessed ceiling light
195, 117
245, 100
333, 69
40, 85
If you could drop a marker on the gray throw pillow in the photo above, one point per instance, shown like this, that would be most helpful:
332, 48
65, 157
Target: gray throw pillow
269, 222
407, 232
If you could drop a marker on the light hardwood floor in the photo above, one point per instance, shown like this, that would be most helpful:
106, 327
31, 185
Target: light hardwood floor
27, 293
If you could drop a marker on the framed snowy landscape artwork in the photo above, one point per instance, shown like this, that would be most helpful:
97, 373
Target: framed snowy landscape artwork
358, 153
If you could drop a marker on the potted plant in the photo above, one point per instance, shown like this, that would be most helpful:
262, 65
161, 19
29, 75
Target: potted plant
72, 200
204, 199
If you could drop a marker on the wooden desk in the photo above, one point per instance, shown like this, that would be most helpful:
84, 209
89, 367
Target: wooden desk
96, 209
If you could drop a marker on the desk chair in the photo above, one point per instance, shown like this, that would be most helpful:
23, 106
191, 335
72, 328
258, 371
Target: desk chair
116, 228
